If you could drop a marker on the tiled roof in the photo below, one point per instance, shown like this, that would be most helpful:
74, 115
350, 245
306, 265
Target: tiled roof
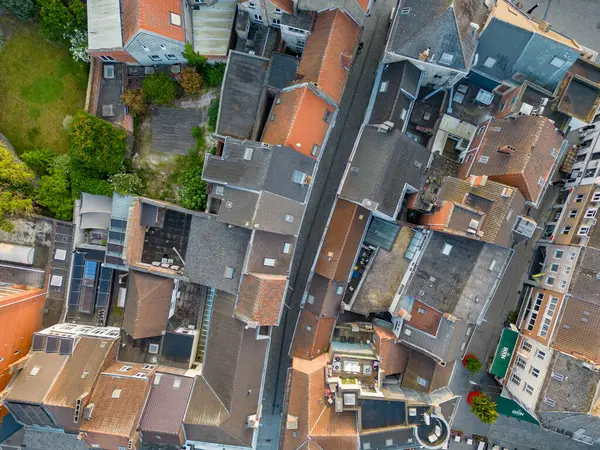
297, 120
29, 388
270, 245
578, 332
118, 403
394, 356
286, 5
260, 298
283, 70
147, 304
423, 367
327, 299
152, 16
533, 138
317, 423
342, 239
90, 355
425, 318
334, 33
312, 335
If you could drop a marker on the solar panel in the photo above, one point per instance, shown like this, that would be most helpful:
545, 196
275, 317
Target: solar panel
52, 344
39, 343
66, 346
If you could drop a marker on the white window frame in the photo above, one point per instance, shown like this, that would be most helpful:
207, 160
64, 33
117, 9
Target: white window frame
175, 19
515, 379
556, 253
591, 213
540, 355
287, 248
554, 267
583, 231
528, 389
548, 281
521, 363
269, 262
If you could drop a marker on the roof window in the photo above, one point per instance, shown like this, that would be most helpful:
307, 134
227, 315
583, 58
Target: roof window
116, 393
299, 177
447, 249
35, 371
228, 272
176, 383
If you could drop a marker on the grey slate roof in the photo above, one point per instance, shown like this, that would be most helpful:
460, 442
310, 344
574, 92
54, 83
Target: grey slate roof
442, 25
270, 245
237, 207
402, 80
272, 210
381, 165
213, 246
303, 20
283, 70
585, 284
243, 95
445, 345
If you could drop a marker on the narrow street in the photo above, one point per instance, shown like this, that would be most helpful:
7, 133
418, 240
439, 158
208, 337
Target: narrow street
331, 169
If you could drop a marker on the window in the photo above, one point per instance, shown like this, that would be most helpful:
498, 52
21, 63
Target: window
484, 159
447, 249
520, 362
251, 5
228, 272
563, 284
528, 389
124, 368
287, 248
515, 379
566, 230
492, 265
229, 204
339, 290
308, 328
558, 254
535, 372
579, 198
590, 213
405, 10
289, 218
554, 153
557, 62
526, 346
489, 62
541, 181
421, 311
299, 177
550, 402
171, 56
162, 47
248, 151
270, 262
315, 150
175, 19
311, 299
422, 381
120, 447
107, 58
155, 57
153, 348
583, 231
383, 86
567, 270
34, 371
219, 190
596, 197
554, 268
146, 48
573, 213
550, 281
447, 58
572, 256
327, 116
541, 355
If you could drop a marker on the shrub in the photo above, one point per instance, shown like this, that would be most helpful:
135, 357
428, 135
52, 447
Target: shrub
159, 89
127, 183
198, 134
135, 102
512, 317
213, 115
484, 408
22, 9
97, 147
195, 59
472, 364
213, 74
15, 183
54, 193
39, 160
192, 189
190, 81
59, 20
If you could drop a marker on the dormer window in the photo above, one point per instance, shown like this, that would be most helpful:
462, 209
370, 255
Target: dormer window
299, 177
446, 58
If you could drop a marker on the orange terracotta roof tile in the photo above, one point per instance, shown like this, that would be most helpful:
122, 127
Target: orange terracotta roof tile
334, 34
286, 5
394, 356
428, 320
153, 16
298, 121
312, 335
260, 298
364, 4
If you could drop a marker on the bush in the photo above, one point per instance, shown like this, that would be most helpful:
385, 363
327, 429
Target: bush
198, 134
195, 59
39, 160
159, 89
135, 102
54, 193
190, 81
22, 9
472, 364
512, 317
192, 189
127, 183
15, 184
213, 74
97, 147
484, 408
213, 115
59, 21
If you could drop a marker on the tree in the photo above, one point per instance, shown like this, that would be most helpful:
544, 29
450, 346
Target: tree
213, 74
127, 183
159, 89
15, 183
54, 193
97, 147
195, 59
39, 160
56, 21
22, 9
213, 115
472, 364
190, 81
192, 189
12, 205
135, 102
484, 408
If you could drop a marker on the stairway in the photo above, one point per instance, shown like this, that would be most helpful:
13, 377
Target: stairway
205, 328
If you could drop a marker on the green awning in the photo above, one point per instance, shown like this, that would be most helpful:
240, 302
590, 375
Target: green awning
508, 407
504, 352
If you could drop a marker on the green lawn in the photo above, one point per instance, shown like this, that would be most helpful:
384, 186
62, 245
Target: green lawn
39, 86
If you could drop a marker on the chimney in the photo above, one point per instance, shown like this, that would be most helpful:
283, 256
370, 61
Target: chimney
424, 55
478, 180
507, 149
544, 26
404, 314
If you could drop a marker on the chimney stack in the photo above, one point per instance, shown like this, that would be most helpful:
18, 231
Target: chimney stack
507, 149
475, 28
544, 26
424, 55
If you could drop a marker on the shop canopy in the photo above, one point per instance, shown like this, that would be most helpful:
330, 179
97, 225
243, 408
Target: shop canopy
504, 351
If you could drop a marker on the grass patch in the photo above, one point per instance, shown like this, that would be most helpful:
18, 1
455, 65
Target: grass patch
40, 86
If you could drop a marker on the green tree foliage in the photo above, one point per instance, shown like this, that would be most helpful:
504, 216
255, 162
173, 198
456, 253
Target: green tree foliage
97, 147
65, 21
39, 160
135, 101
195, 59
473, 365
159, 89
198, 134
484, 408
213, 74
192, 189
22, 9
54, 191
127, 183
15, 182
190, 81
213, 115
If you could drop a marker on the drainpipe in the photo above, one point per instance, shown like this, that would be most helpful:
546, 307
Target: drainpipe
295, 7
449, 111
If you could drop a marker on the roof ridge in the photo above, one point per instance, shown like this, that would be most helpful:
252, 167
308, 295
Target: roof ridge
458, 33
299, 101
216, 395
330, 35
158, 285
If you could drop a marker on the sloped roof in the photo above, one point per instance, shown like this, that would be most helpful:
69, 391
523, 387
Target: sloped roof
394, 356
312, 335
260, 298
534, 138
334, 34
147, 304
28, 388
152, 16
270, 245
297, 120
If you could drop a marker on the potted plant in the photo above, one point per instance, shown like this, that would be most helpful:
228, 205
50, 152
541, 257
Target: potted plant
483, 407
472, 364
